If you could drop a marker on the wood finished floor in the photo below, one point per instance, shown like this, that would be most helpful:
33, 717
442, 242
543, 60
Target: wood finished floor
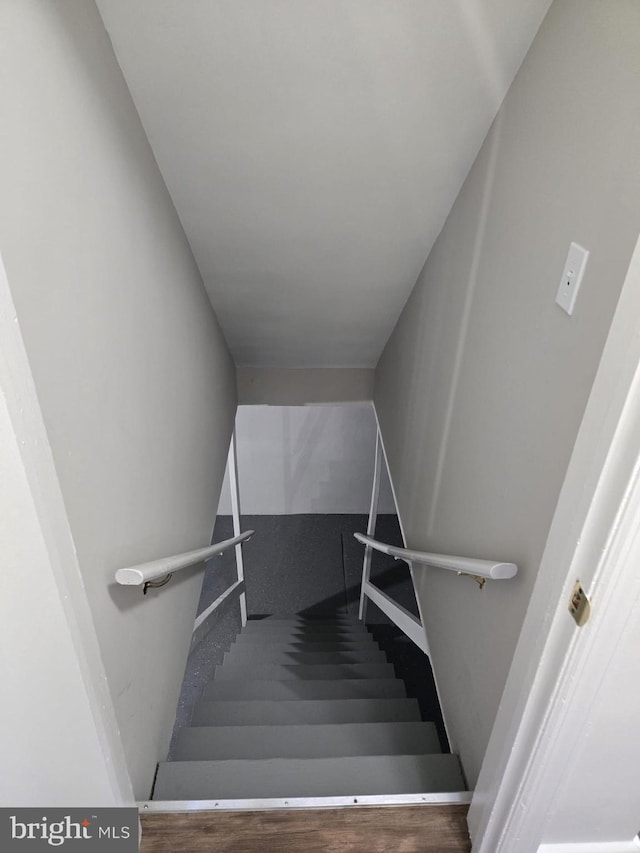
402, 829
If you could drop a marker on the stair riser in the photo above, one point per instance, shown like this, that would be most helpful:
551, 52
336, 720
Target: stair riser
298, 639
342, 631
318, 777
274, 656
304, 712
341, 618
319, 741
318, 643
357, 688
231, 672
306, 623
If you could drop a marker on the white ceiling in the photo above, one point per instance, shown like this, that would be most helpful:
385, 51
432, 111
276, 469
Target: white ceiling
313, 149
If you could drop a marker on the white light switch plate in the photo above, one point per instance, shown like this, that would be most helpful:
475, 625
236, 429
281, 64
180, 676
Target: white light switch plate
572, 277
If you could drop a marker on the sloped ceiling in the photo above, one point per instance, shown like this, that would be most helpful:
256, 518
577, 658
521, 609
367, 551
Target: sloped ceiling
313, 149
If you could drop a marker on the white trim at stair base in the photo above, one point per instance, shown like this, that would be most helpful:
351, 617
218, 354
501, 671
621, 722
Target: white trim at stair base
592, 847
203, 623
371, 528
443, 712
168, 806
401, 617
388, 470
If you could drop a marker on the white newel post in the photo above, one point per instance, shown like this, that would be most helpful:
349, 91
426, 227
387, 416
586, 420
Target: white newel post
371, 528
235, 509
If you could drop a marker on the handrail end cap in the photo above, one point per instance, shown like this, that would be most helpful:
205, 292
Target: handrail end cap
504, 571
129, 577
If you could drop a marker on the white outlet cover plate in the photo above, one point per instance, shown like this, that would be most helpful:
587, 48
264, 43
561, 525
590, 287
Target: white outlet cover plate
572, 277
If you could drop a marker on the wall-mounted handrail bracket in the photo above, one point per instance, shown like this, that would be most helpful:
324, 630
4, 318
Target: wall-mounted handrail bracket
156, 584
481, 581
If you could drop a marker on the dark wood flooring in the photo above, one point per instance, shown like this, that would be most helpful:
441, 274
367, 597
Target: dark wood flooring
399, 829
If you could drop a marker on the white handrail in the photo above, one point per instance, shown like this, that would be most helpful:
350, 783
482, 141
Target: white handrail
145, 572
467, 565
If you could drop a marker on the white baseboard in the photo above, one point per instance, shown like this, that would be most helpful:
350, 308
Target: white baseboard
592, 847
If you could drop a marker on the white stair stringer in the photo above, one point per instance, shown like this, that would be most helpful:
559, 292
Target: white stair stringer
305, 712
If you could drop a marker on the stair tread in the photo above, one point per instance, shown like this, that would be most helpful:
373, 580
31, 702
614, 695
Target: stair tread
278, 656
334, 630
308, 777
307, 619
305, 741
230, 671
209, 712
319, 642
297, 620
340, 688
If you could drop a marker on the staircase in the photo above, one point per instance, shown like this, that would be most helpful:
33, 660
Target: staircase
305, 708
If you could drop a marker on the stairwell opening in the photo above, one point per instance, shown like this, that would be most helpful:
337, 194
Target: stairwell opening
305, 476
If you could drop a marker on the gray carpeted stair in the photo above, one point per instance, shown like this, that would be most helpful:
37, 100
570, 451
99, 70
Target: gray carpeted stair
345, 688
305, 708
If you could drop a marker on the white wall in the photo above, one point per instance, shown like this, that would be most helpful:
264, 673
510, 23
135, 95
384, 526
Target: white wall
278, 386
306, 459
133, 375
45, 747
482, 386
49, 659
